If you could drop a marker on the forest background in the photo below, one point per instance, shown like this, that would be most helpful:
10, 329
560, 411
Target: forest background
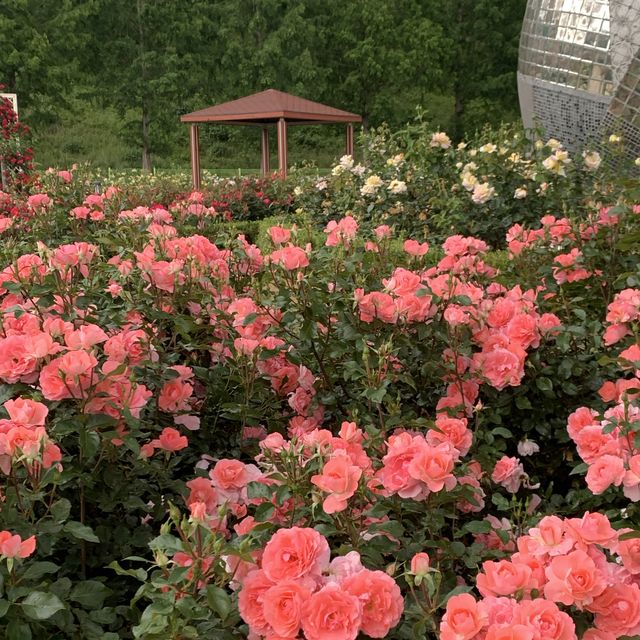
105, 81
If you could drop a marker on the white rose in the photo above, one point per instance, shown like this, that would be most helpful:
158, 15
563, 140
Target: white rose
482, 193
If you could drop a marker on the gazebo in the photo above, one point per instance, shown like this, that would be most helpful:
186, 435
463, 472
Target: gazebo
264, 109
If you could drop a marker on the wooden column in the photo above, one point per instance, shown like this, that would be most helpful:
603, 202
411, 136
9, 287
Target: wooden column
349, 140
265, 152
282, 147
195, 157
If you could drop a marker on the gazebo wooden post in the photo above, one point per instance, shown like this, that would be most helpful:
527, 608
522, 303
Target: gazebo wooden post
282, 147
349, 140
265, 151
195, 156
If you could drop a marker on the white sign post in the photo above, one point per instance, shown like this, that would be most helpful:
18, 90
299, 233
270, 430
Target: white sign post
13, 98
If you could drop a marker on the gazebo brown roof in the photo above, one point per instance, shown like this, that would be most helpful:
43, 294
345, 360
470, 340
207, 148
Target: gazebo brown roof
264, 109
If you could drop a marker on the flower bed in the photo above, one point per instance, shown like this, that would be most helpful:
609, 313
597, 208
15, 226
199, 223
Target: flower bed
315, 434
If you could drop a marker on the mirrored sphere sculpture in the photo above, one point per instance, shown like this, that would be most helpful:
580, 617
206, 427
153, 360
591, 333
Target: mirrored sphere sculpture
579, 70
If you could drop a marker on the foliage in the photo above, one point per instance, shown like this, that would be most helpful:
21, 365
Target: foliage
148, 62
181, 393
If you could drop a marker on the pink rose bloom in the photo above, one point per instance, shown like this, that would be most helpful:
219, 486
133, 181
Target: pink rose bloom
503, 578
68, 376
523, 330
377, 305
596, 634
579, 419
231, 477
282, 607
631, 480
279, 235
501, 313
629, 552
39, 201
251, 601
512, 632
27, 412
501, 367
382, 231
415, 248
171, 440
394, 475
340, 479
295, 553
545, 620
618, 610
342, 232
498, 611
433, 467
549, 537
331, 614
614, 333
381, 600
573, 579
203, 491
453, 431
12, 546
592, 528
508, 472
174, 396
342, 567
290, 258
463, 619
605, 471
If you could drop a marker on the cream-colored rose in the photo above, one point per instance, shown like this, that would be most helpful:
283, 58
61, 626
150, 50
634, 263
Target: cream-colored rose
482, 193
346, 162
440, 139
488, 148
337, 170
520, 193
469, 181
554, 144
371, 185
614, 139
397, 186
592, 160
396, 160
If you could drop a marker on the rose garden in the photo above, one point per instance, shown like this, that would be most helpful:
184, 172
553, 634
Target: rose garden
396, 401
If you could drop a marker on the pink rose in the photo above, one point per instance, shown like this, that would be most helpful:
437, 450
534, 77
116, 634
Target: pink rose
509, 473
251, 599
282, 607
573, 579
340, 479
27, 412
331, 614
295, 553
463, 619
545, 620
605, 471
279, 235
12, 546
381, 600
290, 258
503, 578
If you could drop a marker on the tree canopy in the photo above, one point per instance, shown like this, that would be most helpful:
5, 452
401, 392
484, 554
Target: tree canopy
147, 61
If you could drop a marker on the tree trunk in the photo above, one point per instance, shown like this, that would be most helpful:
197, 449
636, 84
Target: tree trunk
146, 116
146, 140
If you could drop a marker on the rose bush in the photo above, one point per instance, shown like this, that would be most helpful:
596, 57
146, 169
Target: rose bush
336, 430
